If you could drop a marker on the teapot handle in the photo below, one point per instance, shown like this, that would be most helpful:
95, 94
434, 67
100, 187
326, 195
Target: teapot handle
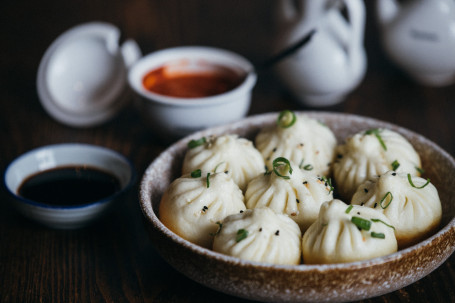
304, 14
356, 11
350, 34
130, 52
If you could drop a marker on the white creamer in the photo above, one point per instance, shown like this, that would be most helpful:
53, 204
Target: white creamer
419, 36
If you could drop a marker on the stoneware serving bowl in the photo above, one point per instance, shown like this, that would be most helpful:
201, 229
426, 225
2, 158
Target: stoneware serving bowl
303, 283
63, 155
174, 117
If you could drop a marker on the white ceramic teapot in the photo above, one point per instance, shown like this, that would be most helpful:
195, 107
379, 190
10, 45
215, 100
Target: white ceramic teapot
419, 36
333, 63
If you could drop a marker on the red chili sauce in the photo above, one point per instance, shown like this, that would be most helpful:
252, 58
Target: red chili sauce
191, 84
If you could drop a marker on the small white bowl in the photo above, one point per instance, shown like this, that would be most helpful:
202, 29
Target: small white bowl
61, 155
177, 116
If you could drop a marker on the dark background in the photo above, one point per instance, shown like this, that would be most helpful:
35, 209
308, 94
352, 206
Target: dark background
114, 260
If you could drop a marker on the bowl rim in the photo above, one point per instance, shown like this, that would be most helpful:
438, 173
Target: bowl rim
51, 207
151, 216
246, 85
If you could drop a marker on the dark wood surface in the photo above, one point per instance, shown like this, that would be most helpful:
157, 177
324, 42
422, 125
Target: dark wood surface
114, 260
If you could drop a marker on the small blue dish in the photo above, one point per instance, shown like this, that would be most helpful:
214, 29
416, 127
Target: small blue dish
64, 215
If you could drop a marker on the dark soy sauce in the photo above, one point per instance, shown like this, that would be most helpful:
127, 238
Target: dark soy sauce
69, 185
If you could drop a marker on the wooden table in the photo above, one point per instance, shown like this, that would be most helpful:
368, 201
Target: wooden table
114, 260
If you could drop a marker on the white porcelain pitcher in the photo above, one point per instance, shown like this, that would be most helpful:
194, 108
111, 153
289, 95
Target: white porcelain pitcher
419, 36
333, 63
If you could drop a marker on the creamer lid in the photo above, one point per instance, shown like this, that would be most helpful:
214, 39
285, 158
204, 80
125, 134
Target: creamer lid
82, 77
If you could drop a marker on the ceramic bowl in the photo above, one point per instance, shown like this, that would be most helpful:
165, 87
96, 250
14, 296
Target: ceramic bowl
175, 117
61, 155
302, 283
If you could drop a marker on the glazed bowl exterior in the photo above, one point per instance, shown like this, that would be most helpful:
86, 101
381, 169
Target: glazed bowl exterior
176, 116
61, 155
302, 283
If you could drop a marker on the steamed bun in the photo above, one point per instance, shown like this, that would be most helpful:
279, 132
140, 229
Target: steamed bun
413, 209
371, 153
299, 195
228, 153
260, 235
345, 233
304, 141
192, 206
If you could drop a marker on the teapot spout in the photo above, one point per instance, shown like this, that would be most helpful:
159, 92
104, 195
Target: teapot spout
387, 10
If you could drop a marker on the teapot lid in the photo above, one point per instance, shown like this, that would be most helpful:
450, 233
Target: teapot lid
81, 78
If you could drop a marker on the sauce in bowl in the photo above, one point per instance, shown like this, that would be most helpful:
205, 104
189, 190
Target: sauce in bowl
192, 83
69, 186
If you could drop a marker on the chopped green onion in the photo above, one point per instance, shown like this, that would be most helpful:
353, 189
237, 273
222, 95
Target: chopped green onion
322, 123
305, 167
196, 143
280, 161
379, 220
361, 223
220, 225
208, 180
383, 199
348, 210
395, 165
328, 182
376, 131
241, 234
418, 187
196, 173
377, 235
420, 170
308, 167
286, 119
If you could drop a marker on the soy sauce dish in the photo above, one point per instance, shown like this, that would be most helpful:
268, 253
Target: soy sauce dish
302, 283
68, 186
